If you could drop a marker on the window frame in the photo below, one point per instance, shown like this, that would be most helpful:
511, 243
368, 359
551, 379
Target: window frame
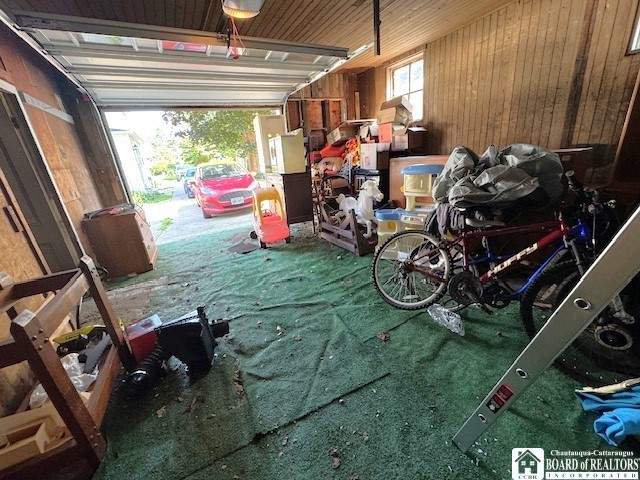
402, 63
635, 35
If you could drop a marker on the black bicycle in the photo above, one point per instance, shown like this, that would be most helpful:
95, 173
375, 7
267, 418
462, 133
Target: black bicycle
608, 351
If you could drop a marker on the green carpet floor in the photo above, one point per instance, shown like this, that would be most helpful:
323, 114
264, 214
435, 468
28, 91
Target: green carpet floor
303, 372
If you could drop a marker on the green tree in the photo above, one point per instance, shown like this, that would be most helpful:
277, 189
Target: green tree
226, 134
195, 154
166, 149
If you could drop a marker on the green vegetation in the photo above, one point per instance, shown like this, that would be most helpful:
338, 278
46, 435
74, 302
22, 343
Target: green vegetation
227, 134
145, 198
161, 167
166, 223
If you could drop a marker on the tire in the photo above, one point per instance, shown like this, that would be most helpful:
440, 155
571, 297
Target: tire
287, 240
395, 277
262, 244
205, 214
587, 359
253, 235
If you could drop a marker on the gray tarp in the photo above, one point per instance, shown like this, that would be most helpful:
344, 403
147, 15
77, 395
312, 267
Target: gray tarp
518, 174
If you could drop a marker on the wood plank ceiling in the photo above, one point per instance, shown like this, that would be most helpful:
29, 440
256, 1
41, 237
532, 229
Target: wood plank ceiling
406, 24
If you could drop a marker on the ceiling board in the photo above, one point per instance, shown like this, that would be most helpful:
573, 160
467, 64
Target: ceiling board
406, 24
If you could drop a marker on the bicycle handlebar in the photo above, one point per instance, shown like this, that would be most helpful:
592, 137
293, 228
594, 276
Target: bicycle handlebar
571, 180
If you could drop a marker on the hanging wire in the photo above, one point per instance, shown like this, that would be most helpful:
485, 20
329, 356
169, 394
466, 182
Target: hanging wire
237, 45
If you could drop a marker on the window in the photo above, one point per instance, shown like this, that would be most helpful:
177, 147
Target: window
407, 78
634, 46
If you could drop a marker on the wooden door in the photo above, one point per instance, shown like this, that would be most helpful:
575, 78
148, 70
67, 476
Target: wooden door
20, 255
24, 171
21, 258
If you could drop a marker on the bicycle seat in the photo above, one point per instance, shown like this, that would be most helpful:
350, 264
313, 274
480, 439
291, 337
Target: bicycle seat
475, 223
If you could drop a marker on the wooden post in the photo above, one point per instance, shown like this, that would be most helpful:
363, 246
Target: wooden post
106, 311
27, 329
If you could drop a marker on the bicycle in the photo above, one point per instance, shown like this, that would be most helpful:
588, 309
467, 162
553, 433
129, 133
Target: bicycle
608, 350
414, 269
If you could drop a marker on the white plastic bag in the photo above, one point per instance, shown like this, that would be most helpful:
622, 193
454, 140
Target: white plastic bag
447, 318
82, 381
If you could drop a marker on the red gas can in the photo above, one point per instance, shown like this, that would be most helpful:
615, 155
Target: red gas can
142, 336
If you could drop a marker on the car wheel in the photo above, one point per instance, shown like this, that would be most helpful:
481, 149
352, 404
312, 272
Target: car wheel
262, 244
205, 214
287, 240
253, 235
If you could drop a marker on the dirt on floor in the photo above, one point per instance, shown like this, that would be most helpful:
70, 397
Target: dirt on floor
320, 378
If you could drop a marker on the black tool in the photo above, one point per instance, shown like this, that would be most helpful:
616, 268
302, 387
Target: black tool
191, 338
92, 355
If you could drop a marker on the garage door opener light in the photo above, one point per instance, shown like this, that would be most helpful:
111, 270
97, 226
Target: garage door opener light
242, 8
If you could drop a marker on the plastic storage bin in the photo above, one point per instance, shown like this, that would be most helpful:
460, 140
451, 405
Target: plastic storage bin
417, 184
392, 221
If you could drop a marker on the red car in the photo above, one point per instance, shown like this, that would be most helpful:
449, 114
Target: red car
223, 187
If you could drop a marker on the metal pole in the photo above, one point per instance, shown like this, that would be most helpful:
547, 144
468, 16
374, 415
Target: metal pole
609, 274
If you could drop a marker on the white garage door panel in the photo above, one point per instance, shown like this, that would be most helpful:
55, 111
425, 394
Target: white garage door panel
139, 65
128, 96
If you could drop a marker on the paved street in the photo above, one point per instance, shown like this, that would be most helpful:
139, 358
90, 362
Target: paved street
187, 219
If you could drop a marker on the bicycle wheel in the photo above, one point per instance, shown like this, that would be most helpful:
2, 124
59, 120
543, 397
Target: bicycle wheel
410, 271
606, 352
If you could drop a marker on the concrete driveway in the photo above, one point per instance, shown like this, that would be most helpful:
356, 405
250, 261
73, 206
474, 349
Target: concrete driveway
187, 220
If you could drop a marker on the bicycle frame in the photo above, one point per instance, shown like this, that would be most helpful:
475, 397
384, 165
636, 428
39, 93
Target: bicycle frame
556, 230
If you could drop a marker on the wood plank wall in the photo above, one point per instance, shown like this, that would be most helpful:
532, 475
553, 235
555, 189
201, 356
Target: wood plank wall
333, 86
71, 170
63, 150
548, 72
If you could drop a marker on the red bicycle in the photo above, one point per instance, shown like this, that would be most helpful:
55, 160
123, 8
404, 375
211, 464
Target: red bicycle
413, 269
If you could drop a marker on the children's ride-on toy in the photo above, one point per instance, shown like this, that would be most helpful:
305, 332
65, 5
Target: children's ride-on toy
270, 223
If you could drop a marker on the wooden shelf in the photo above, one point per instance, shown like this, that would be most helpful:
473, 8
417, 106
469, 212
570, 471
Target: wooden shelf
30, 332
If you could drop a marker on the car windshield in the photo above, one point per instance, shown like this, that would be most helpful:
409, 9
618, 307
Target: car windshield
226, 170
190, 173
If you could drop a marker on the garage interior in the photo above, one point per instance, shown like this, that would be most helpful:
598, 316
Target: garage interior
319, 376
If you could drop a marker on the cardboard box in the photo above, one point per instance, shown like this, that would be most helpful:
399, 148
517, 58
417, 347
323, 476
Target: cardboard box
401, 101
341, 134
369, 131
371, 158
411, 138
396, 110
387, 130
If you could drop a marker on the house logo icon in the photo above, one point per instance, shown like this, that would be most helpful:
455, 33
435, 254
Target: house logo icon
527, 463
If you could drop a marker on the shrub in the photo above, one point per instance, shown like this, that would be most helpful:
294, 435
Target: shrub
145, 198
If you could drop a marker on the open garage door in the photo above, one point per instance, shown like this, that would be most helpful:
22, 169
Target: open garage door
124, 65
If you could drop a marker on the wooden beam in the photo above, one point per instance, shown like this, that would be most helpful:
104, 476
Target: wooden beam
47, 283
579, 69
53, 312
106, 311
99, 398
376, 25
